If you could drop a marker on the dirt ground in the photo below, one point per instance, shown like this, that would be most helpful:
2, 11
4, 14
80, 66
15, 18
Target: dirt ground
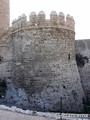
8, 115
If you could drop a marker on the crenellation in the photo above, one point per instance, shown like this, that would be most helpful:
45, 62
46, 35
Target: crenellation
56, 20
53, 18
33, 18
22, 20
70, 23
41, 18
61, 19
14, 23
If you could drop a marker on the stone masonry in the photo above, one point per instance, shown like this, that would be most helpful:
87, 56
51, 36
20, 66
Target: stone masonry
39, 57
83, 48
38, 62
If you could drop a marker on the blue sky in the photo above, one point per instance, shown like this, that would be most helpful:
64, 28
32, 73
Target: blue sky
79, 9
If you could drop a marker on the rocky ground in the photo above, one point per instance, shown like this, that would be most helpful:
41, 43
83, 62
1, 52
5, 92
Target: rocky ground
14, 113
8, 115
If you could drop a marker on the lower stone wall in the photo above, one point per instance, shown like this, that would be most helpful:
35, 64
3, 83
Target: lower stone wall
48, 83
39, 81
83, 49
41, 84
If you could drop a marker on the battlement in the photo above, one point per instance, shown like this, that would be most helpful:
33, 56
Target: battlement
39, 20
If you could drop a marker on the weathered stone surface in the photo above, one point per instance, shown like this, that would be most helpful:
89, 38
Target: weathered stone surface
15, 96
83, 48
44, 65
39, 59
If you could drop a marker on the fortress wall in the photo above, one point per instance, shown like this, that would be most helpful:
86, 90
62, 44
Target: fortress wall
43, 62
56, 20
5, 54
83, 48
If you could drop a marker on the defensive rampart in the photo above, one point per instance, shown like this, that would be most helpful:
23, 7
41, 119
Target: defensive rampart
40, 57
41, 21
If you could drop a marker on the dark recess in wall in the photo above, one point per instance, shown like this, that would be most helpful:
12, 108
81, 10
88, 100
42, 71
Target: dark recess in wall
81, 60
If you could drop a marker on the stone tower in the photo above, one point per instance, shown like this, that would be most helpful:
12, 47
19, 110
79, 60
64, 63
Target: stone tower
4, 14
44, 61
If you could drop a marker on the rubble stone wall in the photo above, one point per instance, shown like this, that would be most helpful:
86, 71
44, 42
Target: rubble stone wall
41, 57
83, 48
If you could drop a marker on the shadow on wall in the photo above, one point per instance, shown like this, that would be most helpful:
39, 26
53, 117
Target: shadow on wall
81, 60
3, 88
